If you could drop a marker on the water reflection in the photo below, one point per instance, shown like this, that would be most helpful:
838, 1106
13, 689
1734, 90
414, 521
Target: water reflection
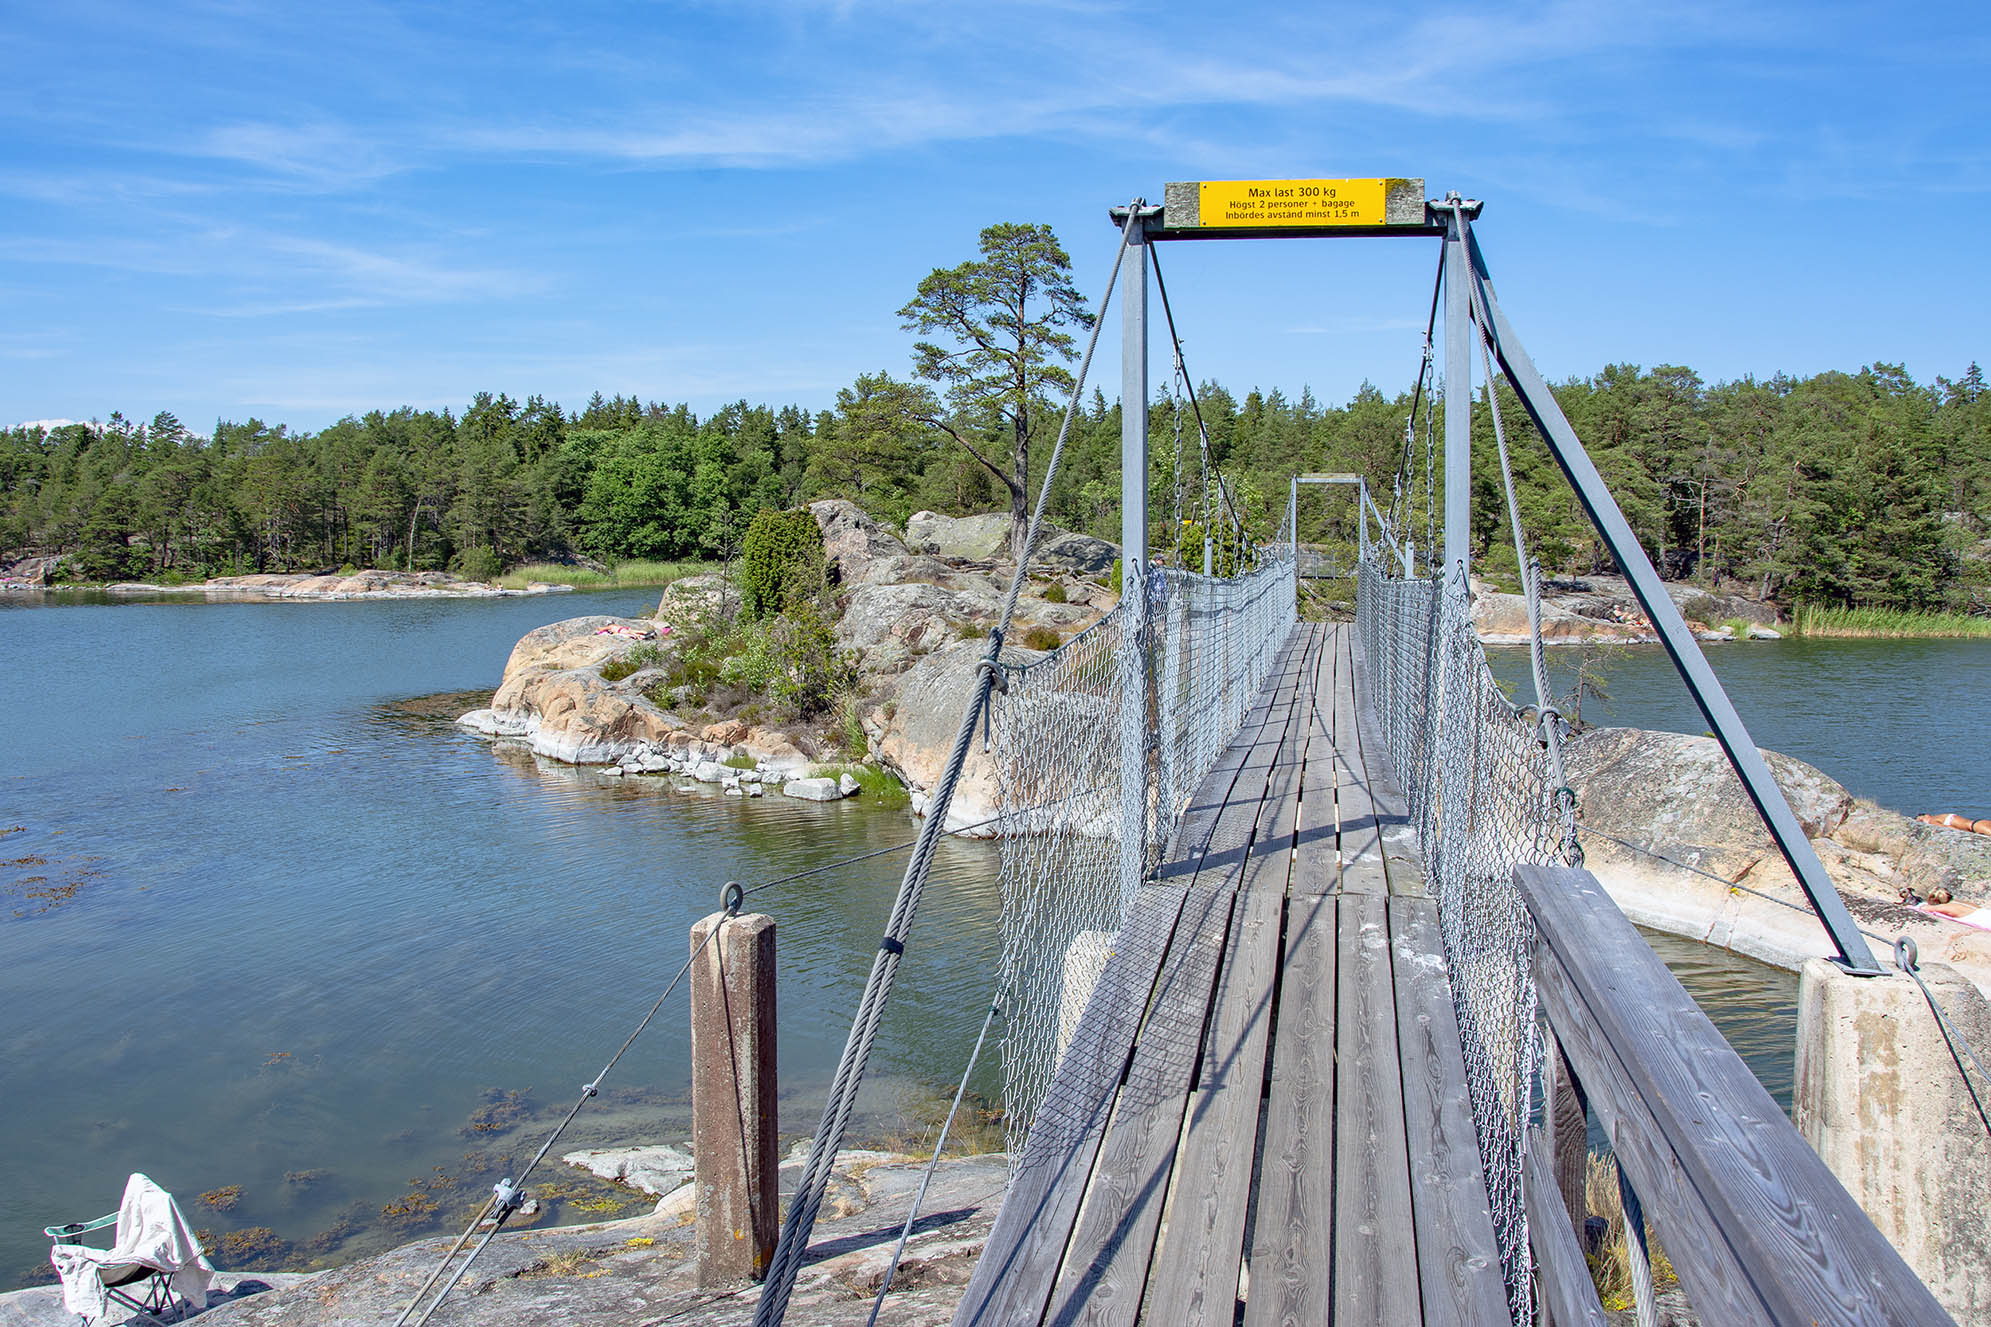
325, 926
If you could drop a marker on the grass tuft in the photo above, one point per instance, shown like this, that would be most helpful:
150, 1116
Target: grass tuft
880, 786
1610, 1265
637, 571
1885, 623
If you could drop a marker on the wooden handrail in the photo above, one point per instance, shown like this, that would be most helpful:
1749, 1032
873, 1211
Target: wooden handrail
1758, 1228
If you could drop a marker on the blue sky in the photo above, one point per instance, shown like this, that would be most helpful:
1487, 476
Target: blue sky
299, 211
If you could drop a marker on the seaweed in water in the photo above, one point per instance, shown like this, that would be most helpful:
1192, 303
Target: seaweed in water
253, 1250
502, 1109
224, 1198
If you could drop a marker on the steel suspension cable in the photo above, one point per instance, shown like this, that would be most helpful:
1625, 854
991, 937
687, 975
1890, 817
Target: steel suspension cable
1426, 369
1548, 719
814, 1181
1189, 386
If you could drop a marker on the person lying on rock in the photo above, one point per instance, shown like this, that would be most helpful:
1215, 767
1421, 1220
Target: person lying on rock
1970, 914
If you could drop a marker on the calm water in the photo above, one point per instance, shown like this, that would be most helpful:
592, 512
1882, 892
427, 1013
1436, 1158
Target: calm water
1899, 721
1892, 720
289, 928
265, 923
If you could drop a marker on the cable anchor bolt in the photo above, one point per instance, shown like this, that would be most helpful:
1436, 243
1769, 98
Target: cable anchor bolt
507, 1197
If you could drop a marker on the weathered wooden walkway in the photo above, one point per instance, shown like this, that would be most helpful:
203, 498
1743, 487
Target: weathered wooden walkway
1262, 1115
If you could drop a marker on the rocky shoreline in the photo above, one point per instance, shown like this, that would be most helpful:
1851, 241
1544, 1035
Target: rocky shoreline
1603, 610
1669, 832
339, 586
914, 612
37, 576
641, 1270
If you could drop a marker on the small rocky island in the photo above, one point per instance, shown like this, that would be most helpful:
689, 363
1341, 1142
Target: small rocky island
902, 622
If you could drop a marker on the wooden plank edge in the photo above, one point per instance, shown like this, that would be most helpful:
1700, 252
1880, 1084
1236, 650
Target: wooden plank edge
1561, 1272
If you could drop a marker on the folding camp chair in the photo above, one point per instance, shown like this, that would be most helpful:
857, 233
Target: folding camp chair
153, 1268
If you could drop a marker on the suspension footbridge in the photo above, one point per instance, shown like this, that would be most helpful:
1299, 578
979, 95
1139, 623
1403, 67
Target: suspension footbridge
1305, 998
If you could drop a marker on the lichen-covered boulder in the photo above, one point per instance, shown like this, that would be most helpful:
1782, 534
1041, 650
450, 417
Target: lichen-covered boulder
1677, 794
573, 715
851, 539
889, 625
977, 538
575, 643
1077, 554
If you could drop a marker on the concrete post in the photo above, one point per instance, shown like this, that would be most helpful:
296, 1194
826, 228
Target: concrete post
734, 1121
1880, 1096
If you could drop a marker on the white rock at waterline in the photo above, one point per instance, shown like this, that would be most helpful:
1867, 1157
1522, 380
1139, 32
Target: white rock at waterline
813, 790
658, 1169
755, 790
681, 1202
613, 771
1758, 632
847, 786
709, 771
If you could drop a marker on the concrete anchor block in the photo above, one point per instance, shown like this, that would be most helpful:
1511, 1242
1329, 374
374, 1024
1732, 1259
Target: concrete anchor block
1881, 1099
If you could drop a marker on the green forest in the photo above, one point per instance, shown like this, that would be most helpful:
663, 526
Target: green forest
1863, 488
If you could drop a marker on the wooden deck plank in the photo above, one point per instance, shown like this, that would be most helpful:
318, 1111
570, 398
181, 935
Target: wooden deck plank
1014, 1278
1375, 1261
1458, 1258
1105, 1269
1403, 863
1361, 842
1316, 864
1294, 1225
1196, 1278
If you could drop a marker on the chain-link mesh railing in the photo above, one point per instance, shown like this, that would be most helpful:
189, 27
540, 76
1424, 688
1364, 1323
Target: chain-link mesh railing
1482, 800
1061, 734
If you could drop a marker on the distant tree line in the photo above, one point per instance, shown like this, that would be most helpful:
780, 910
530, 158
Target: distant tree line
1842, 488
1856, 489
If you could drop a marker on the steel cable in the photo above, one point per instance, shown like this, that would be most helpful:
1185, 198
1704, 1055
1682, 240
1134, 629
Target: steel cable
814, 1181
1907, 962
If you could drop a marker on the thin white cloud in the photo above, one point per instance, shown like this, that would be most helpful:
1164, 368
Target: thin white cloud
1356, 326
326, 155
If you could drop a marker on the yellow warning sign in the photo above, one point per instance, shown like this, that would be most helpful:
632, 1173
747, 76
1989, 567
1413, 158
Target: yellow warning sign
1292, 202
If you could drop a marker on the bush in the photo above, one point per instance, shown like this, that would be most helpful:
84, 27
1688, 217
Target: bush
1042, 638
1701, 608
643, 656
781, 561
1054, 593
477, 564
791, 659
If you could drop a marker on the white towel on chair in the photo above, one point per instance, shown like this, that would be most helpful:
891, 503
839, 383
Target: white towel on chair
150, 1230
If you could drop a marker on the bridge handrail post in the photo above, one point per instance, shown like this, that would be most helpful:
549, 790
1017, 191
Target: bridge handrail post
1759, 1229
